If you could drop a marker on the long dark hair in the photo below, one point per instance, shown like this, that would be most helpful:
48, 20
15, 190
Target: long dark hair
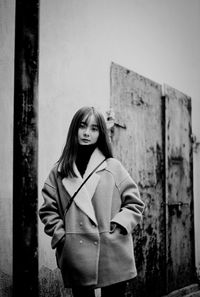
69, 154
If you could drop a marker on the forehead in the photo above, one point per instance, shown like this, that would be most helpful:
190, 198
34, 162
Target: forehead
90, 119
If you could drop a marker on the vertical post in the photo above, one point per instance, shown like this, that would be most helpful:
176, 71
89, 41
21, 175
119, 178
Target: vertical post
25, 238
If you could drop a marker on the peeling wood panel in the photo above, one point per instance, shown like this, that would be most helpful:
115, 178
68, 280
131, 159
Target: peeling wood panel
137, 104
179, 190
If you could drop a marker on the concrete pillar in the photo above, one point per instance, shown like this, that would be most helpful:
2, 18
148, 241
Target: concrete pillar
25, 174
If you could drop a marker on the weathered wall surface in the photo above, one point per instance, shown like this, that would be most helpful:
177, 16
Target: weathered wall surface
7, 13
78, 41
138, 105
63, 88
179, 190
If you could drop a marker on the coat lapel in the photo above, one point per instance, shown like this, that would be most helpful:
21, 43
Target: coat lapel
84, 196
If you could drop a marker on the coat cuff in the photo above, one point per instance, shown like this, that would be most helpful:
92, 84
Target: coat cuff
56, 238
127, 220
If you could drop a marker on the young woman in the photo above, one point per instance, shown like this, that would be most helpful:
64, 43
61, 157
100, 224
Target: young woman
93, 240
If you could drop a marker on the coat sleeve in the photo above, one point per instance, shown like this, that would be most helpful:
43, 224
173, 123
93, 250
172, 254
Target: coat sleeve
50, 215
132, 206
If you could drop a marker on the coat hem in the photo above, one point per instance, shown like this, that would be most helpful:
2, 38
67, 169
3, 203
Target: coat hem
109, 283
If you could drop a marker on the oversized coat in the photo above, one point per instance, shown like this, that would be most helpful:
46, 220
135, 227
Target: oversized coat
92, 255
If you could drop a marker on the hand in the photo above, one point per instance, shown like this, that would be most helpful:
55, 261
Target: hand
114, 227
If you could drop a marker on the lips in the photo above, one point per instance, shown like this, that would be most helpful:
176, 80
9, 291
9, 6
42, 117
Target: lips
85, 140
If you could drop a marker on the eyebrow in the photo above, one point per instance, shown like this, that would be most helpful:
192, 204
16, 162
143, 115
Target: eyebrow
86, 122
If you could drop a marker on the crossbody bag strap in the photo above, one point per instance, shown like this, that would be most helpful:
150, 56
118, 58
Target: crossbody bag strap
72, 198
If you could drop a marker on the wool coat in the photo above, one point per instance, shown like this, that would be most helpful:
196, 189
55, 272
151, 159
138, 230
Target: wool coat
87, 251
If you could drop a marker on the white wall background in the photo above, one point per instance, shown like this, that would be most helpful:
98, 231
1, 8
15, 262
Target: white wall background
7, 22
158, 39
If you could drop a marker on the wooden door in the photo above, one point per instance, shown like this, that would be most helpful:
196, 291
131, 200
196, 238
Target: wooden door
152, 139
138, 143
179, 194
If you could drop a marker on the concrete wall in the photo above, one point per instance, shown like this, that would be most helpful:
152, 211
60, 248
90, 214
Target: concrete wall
7, 13
79, 39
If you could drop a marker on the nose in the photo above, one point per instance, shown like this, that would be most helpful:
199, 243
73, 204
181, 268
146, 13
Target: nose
86, 131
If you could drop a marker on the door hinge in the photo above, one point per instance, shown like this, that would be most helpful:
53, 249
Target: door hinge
111, 120
176, 205
195, 143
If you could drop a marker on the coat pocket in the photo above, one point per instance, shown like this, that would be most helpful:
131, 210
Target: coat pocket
117, 251
79, 257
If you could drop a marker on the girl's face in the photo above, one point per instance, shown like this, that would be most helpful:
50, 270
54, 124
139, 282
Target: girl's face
88, 132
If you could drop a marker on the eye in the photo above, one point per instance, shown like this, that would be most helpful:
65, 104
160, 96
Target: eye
82, 125
95, 128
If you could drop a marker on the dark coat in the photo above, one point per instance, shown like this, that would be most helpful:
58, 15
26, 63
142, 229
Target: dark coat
90, 254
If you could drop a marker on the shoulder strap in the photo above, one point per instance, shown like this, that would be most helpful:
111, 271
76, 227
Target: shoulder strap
72, 198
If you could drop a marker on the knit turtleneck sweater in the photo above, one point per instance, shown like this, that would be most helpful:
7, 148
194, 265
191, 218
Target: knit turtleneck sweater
83, 156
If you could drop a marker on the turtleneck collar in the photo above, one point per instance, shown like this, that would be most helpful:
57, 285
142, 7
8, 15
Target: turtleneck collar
83, 156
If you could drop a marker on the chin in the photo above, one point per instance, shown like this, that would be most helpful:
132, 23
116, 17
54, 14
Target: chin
85, 143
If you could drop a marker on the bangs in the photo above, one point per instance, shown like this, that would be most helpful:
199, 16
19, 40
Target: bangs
87, 115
